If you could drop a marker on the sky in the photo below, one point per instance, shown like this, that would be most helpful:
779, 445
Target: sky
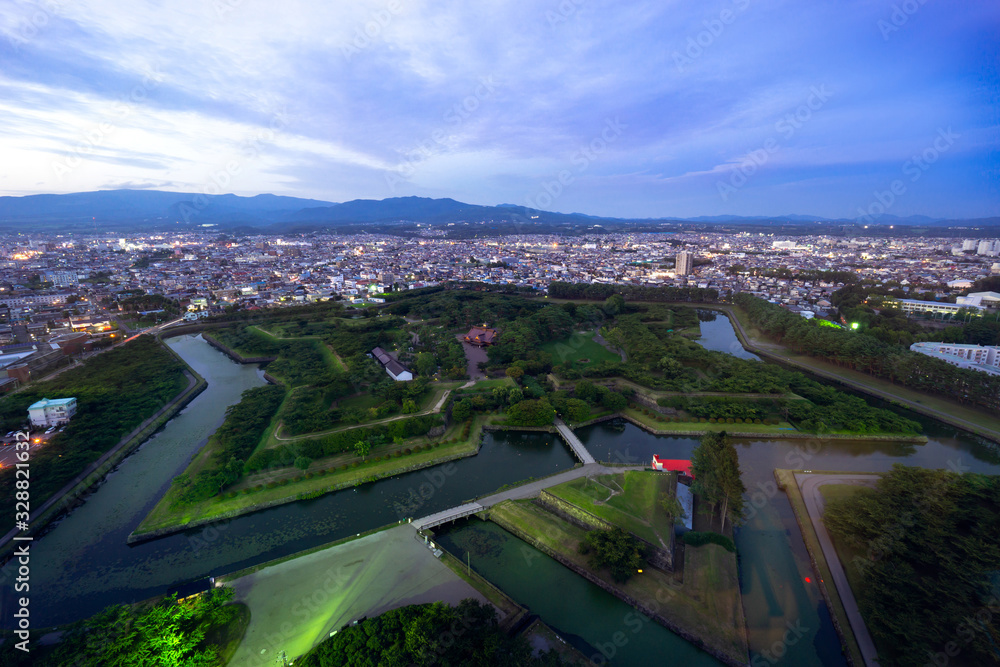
833, 108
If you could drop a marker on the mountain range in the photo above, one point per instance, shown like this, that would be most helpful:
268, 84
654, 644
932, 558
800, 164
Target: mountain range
154, 209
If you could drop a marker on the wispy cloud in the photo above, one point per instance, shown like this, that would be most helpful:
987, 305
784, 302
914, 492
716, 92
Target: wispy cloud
222, 71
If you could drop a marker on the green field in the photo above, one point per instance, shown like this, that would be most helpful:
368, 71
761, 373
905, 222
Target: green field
483, 385
580, 349
630, 500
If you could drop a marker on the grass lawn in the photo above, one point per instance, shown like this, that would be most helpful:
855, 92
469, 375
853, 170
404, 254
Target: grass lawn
786, 481
325, 475
580, 349
656, 424
707, 604
630, 500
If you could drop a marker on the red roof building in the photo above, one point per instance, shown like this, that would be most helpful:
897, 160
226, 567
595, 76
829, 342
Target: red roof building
673, 465
481, 336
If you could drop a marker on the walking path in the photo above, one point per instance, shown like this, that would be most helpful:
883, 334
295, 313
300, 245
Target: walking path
574, 443
809, 486
529, 490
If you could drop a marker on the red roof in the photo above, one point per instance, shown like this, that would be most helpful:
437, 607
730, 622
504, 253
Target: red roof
678, 465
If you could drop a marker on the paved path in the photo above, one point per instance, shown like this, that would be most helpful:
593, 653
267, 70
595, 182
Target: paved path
574, 443
296, 604
529, 490
809, 485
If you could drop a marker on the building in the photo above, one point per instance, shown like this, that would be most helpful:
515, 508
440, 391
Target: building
684, 263
910, 306
974, 357
482, 336
673, 465
396, 370
988, 299
51, 412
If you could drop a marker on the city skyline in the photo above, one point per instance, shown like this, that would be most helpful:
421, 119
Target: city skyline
644, 111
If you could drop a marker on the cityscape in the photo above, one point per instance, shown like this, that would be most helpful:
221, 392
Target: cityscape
512, 334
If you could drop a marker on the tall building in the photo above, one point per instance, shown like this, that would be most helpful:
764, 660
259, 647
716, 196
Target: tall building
988, 248
684, 263
969, 244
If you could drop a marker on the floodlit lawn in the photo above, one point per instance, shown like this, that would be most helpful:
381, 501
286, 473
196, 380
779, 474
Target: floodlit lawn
707, 604
630, 500
580, 349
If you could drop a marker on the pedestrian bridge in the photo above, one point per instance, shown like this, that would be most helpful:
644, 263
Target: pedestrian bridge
574, 443
452, 514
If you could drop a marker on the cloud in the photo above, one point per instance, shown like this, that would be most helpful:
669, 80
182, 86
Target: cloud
328, 100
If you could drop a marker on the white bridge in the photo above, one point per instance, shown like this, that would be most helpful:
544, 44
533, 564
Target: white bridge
452, 514
574, 443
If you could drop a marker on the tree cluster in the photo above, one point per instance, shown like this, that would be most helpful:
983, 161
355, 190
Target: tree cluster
928, 556
427, 634
717, 477
870, 355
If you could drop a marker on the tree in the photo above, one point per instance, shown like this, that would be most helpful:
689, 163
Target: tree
361, 448
409, 406
462, 410
303, 462
514, 372
426, 364
716, 469
616, 549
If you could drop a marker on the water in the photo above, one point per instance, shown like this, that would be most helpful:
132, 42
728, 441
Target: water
84, 564
585, 615
717, 334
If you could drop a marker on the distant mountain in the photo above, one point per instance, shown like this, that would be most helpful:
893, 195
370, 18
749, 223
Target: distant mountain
127, 210
147, 206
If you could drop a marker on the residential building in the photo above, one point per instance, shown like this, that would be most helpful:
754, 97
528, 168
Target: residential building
974, 357
684, 263
396, 370
51, 412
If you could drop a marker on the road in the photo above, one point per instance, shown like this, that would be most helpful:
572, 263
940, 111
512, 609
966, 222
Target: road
296, 604
809, 484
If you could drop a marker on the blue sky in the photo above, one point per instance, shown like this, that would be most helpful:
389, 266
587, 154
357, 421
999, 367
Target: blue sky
746, 107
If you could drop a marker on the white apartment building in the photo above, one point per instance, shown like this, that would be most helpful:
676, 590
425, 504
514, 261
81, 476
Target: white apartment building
51, 412
975, 357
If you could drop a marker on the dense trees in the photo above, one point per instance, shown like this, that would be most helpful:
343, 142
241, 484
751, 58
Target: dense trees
716, 468
234, 442
167, 633
115, 391
428, 634
928, 557
870, 355
602, 291
616, 549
